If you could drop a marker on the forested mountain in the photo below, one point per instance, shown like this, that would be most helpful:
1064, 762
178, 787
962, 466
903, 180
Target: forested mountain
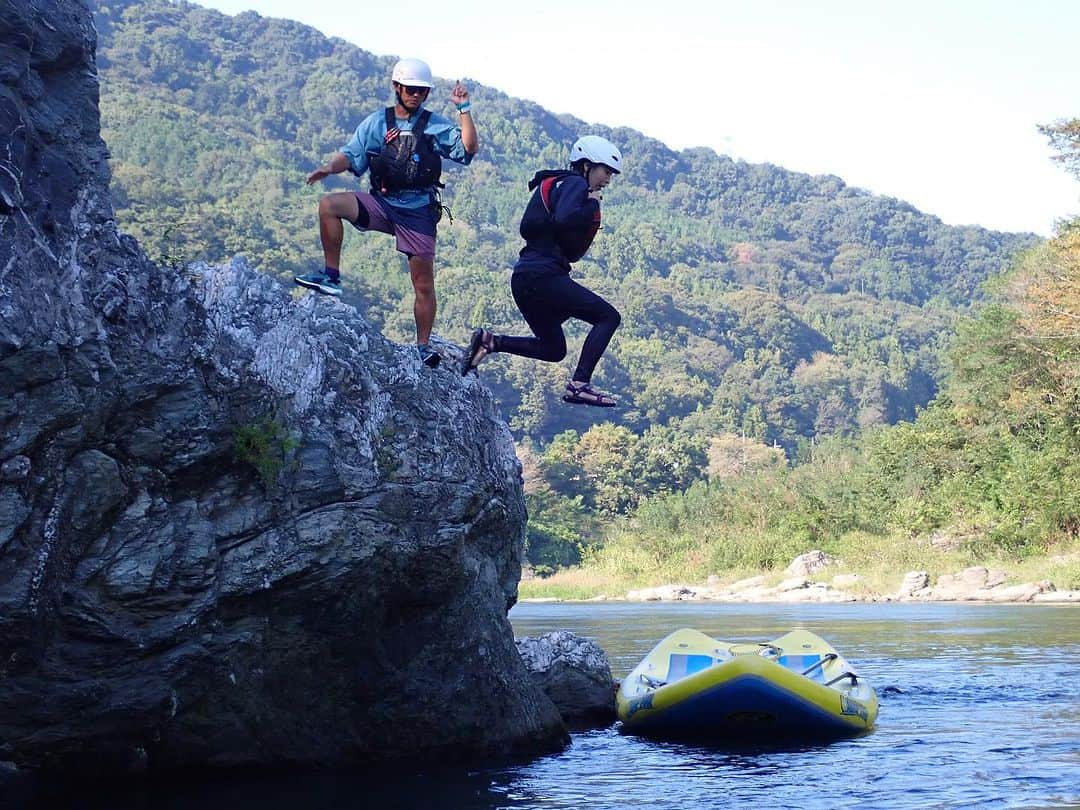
756, 301
988, 473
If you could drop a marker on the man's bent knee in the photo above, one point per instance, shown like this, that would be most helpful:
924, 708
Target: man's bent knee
343, 206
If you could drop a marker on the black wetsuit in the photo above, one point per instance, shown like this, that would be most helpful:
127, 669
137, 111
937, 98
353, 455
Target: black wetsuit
558, 226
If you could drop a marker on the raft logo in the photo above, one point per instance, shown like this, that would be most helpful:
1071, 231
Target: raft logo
851, 706
637, 704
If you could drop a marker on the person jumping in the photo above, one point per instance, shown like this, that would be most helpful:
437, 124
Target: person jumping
559, 224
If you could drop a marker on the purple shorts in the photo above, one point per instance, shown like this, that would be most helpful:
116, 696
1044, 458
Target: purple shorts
414, 228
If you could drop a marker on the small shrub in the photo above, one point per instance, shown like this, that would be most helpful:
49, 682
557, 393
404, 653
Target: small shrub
266, 445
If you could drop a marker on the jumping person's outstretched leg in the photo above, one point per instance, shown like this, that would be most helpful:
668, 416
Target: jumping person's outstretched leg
548, 344
546, 302
540, 301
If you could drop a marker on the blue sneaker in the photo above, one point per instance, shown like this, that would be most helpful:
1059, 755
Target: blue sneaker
320, 282
428, 356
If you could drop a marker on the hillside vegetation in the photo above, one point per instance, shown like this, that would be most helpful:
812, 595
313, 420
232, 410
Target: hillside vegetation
774, 322
988, 473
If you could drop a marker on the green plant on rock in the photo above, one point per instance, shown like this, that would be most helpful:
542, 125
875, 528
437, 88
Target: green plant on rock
266, 445
172, 250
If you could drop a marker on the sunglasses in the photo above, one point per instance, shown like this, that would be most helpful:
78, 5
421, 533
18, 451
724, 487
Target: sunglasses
414, 91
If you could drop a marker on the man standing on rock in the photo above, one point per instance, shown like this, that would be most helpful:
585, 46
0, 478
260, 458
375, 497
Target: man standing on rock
404, 199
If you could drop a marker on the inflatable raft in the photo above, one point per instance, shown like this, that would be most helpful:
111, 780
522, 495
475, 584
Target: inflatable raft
797, 686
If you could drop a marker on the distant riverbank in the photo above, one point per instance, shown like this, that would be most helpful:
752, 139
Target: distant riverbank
816, 577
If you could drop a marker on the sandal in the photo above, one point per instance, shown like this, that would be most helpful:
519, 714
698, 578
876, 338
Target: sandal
581, 393
481, 344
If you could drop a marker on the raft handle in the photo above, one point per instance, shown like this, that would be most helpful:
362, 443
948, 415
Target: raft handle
841, 676
820, 663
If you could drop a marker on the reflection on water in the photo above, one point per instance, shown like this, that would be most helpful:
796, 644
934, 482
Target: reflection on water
979, 708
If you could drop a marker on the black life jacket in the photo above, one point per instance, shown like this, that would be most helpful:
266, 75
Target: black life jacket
538, 228
407, 160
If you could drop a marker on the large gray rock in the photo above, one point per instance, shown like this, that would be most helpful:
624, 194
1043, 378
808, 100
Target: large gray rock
338, 594
574, 672
914, 583
810, 563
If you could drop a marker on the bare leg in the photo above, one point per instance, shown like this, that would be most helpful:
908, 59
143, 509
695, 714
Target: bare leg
332, 209
422, 273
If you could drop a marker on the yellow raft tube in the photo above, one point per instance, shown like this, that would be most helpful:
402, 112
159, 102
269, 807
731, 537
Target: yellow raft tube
797, 686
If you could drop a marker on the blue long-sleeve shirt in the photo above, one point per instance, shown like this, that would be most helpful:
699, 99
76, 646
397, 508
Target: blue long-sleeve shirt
369, 136
554, 238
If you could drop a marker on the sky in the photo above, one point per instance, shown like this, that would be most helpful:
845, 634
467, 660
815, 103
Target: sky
935, 102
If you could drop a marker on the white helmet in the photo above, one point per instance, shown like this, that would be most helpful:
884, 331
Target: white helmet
412, 73
595, 149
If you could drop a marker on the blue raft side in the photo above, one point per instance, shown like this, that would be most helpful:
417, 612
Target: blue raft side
800, 663
749, 706
681, 665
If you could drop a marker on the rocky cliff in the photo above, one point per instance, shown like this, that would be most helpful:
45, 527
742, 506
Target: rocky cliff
235, 527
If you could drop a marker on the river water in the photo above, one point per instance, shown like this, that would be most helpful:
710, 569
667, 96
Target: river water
980, 707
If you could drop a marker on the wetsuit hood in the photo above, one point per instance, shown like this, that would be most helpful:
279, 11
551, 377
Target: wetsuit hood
540, 177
